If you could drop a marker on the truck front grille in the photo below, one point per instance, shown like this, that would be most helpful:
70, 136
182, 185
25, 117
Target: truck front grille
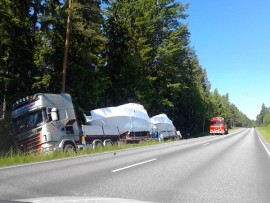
30, 144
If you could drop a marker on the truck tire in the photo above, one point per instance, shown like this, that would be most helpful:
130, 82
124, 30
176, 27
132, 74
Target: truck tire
97, 144
69, 148
119, 143
141, 142
107, 143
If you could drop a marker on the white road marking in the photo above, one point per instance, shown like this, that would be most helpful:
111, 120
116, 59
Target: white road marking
144, 162
205, 144
264, 145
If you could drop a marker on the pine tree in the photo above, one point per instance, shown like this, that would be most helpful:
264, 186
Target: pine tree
17, 43
86, 76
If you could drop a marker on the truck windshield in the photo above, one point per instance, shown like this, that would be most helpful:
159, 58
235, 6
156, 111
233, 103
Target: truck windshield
28, 121
216, 123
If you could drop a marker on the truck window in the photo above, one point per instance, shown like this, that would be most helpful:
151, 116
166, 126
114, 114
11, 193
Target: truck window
216, 123
62, 115
49, 117
28, 121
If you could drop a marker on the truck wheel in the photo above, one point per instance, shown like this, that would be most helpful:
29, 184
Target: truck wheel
69, 148
97, 144
120, 143
150, 140
107, 143
141, 142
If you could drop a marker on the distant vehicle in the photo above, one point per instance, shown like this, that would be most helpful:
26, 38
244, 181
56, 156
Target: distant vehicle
218, 126
47, 122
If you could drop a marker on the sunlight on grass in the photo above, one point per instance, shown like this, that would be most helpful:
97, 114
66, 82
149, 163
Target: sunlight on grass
265, 132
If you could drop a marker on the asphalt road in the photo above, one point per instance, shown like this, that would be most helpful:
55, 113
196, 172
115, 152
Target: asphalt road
227, 168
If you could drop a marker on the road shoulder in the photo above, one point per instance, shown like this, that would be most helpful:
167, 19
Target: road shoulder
263, 141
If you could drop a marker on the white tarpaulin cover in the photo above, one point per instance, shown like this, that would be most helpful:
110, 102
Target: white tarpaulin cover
163, 124
128, 117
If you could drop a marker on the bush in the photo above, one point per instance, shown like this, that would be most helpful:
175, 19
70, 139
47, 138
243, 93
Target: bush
6, 138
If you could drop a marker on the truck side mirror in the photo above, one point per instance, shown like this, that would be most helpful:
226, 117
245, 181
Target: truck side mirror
54, 114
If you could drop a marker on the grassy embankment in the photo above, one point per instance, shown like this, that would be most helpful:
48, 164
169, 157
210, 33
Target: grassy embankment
265, 132
13, 158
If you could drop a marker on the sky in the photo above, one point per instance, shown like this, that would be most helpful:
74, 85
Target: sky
232, 41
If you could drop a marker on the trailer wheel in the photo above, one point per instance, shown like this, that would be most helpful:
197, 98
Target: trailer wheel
150, 140
69, 148
141, 142
107, 143
120, 143
97, 144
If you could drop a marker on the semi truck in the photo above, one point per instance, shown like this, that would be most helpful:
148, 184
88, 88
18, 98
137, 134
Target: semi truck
218, 126
47, 122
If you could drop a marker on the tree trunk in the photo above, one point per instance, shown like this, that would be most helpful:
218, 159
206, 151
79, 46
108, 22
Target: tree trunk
4, 107
203, 125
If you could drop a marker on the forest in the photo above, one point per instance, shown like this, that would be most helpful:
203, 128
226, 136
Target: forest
118, 51
263, 118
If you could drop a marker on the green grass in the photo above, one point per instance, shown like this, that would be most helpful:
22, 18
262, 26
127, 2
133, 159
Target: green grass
13, 158
265, 132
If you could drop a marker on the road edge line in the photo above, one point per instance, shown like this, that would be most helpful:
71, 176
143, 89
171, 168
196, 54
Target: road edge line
262, 142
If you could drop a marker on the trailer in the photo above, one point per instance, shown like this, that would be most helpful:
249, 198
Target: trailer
127, 123
164, 126
128, 117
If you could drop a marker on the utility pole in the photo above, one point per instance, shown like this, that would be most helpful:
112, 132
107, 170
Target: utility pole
66, 50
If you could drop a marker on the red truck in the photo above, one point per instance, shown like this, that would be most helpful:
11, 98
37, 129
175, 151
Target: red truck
218, 126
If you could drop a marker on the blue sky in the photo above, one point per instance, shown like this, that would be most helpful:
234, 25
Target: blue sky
232, 41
